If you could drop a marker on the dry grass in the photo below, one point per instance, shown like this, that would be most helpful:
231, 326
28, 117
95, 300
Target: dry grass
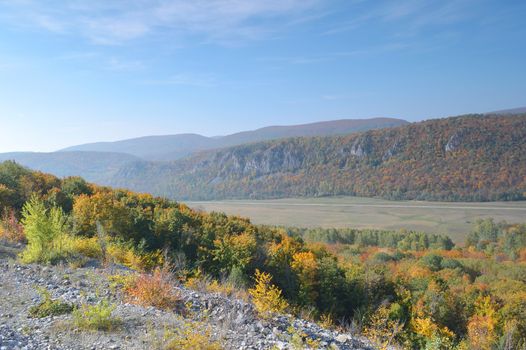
208, 285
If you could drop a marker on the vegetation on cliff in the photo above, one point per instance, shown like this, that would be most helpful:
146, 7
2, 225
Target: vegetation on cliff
467, 158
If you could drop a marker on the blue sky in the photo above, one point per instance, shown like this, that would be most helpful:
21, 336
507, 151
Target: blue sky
80, 71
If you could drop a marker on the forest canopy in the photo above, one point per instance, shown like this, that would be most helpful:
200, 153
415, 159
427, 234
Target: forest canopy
416, 288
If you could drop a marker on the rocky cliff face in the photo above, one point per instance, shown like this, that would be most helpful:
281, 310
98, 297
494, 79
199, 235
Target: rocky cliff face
266, 160
446, 159
455, 141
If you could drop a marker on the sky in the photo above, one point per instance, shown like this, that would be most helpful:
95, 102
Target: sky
76, 71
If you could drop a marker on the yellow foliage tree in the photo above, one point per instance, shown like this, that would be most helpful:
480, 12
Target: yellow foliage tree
481, 326
100, 207
281, 252
424, 326
382, 330
267, 297
234, 251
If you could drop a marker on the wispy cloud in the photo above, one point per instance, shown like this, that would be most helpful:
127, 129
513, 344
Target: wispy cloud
186, 79
78, 56
116, 22
410, 15
331, 56
334, 97
103, 61
117, 64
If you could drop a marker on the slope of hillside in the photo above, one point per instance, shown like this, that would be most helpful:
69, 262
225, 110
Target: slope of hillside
171, 147
99, 167
233, 322
474, 157
519, 110
153, 147
330, 128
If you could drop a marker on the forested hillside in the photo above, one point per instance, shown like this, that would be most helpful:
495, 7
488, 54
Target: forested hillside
409, 289
466, 158
172, 147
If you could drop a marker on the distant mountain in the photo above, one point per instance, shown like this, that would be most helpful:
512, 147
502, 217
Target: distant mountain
519, 110
172, 147
99, 167
167, 147
474, 157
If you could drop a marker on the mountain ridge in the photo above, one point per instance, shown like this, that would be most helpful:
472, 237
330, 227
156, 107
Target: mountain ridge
468, 158
477, 157
180, 145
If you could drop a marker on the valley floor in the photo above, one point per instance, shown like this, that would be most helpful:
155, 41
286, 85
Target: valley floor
452, 218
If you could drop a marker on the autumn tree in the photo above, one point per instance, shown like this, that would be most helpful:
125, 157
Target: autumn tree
482, 325
305, 266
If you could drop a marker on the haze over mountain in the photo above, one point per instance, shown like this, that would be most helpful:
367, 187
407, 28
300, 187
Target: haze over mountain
99, 162
171, 147
99, 167
518, 110
474, 157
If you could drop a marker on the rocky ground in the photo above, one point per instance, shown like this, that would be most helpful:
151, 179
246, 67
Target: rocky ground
230, 321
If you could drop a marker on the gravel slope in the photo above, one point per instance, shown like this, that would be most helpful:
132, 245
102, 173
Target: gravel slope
232, 322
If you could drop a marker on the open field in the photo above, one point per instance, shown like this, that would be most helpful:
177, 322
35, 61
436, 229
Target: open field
452, 218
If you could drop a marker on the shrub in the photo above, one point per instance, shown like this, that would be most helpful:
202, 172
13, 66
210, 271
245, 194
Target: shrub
237, 278
49, 306
301, 341
230, 287
10, 229
326, 321
450, 264
382, 257
121, 281
89, 247
266, 296
193, 339
45, 231
96, 317
131, 256
153, 290
432, 261
382, 330
124, 254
